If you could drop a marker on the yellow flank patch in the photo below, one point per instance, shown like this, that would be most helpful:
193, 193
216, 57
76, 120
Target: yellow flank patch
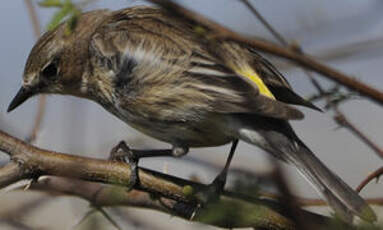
254, 77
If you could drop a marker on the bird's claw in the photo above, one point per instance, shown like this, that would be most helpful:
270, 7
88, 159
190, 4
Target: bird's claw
214, 189
123, 153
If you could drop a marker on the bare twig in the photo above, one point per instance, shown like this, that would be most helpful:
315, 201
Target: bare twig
108, 217
34, 18
342, 120
42, 98
268, 26
84, 218
376, 174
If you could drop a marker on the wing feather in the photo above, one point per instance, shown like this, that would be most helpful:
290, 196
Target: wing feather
178, 75
277, 83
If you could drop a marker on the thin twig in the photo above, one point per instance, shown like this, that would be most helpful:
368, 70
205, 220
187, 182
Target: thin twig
268, 26
376, 174
89, 213
42, 98
108, 217
342, 120
34, 18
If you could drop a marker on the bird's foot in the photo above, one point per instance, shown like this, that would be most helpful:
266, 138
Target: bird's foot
214, 189
123, 153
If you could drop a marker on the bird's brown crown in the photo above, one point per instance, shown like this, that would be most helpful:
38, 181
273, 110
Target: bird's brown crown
57, 61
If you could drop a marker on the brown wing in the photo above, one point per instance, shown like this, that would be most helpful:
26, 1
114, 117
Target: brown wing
232, 94
172, 72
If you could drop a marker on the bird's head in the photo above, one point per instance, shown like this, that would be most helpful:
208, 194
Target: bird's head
42, 73
57, 62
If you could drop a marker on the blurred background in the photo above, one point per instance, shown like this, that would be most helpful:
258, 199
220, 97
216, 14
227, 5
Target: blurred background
347, 35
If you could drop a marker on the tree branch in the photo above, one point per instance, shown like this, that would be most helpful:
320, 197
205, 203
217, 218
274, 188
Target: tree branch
11, 173
343, 121
178, 197
374, 175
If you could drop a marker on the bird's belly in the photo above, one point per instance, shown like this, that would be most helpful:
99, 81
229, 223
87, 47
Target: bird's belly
183, 133
200, 133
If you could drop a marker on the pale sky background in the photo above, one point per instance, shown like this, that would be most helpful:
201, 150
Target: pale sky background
321, 27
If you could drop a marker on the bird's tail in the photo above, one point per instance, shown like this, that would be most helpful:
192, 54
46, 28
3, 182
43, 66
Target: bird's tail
278, 138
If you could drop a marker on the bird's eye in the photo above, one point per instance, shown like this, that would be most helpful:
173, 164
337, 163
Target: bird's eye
50, 71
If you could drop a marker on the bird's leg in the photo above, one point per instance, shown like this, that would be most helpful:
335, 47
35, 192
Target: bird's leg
218, 184
220, 180
121, 152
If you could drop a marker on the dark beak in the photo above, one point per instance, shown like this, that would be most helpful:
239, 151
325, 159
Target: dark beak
20, 97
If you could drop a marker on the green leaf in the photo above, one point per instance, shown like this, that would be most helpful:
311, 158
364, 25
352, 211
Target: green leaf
51, 3
58, 17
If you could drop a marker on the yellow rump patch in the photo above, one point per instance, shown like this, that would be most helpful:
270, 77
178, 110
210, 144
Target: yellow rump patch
254, 77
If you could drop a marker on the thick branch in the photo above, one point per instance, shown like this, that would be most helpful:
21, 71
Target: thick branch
235, 211
215, 31
11, 173
43, 162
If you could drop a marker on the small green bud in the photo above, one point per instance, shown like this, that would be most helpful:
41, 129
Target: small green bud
188, 190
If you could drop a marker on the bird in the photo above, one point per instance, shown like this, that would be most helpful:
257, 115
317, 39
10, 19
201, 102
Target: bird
158, 75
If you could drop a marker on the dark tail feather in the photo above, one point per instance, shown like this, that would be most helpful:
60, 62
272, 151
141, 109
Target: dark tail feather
339, 195
279, 139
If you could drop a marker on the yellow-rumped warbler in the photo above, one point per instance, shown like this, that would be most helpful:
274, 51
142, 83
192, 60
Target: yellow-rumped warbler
158, 75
